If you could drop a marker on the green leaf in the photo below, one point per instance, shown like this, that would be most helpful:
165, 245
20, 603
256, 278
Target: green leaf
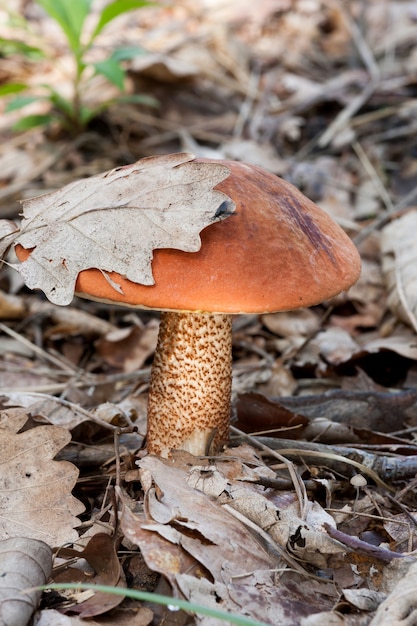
9, 47
70, 15
172, 603
112, 71
31, 121
20, 102
114, 9
62, 104
86, 114
11, 88
65, 107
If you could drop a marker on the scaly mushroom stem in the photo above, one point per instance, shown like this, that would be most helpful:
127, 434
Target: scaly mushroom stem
191, 380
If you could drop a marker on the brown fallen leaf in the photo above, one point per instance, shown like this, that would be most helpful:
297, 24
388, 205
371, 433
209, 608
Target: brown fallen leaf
11, 307
24, 563
164, 68
35, 490
61, 228
398, 247
256, 412
288, 323
101, 555
383, 411
208, 554
128, 348
301, 533
159, 548
189, 518
400, 530
259, 596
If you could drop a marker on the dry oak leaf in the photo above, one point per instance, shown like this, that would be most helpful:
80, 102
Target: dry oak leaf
399, 266
188, 518
35, 491
24, 564
101, 556
114, 221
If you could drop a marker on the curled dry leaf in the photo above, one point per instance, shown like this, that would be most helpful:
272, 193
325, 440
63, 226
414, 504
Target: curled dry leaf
35, 490
292, 323
101, 555
96, 222
255, 412
198, 524
24, 563
11, 306
335, 345
7, 231
164, 68
399, 266
330, 346
128, 348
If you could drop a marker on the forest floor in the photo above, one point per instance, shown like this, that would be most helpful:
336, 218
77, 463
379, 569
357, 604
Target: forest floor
309, 517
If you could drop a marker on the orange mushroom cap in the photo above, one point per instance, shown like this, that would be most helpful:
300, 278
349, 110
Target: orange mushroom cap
277, 251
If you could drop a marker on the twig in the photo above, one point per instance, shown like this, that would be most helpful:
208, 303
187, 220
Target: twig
370, 170
338, 458
342, 119
388, 111
384, 219
299, 486
247, 105
394, 133
76, 408
291, 561
199, 131
29, 344
378, 468
90, 380
362, 47
356, 544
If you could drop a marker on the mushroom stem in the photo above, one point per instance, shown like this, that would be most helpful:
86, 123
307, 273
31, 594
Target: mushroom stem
191, 380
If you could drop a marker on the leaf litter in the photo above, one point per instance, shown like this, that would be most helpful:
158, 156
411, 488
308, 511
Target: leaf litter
36, 490
322, 93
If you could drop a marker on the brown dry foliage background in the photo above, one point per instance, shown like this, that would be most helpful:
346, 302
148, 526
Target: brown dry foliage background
322, 93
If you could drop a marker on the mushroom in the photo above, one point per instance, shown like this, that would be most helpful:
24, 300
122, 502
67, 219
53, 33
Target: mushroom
278, 251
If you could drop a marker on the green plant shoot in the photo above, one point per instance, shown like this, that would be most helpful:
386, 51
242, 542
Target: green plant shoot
173, 603
71, 112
